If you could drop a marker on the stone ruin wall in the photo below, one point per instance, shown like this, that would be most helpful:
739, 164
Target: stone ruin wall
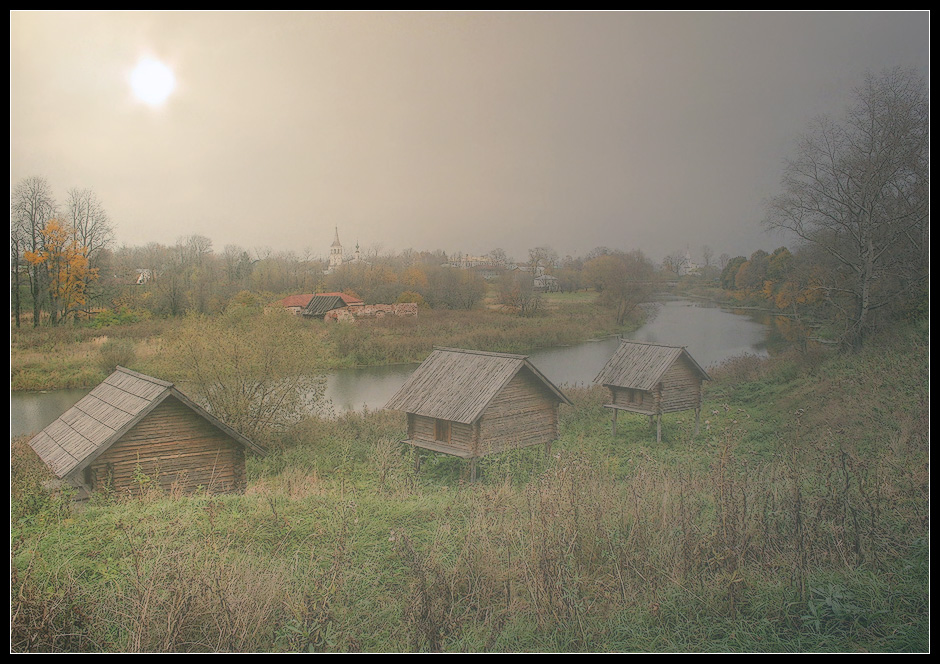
402, 310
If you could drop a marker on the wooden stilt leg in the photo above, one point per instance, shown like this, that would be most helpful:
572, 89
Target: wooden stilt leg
659, 428
613, 423
473, 469
698, 412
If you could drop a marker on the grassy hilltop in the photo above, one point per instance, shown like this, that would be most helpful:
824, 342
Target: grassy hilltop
796, 521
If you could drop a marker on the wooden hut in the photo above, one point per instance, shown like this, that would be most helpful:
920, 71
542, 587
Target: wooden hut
321, 304
651, 379
295, 303
133, 425
470, 403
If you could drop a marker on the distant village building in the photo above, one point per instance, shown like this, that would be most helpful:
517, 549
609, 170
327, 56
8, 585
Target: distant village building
322, 303
688, 266
470, 403
133, 426
546, 283
467, 261
295, 303
651, 379
338, 257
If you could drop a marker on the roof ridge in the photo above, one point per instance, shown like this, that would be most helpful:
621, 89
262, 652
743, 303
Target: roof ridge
135, 374
471, 351
650, 343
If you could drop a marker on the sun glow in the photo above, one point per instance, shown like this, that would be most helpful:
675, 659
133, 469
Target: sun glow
152, 81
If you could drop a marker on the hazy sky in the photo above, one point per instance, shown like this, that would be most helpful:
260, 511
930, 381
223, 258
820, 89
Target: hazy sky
442, 130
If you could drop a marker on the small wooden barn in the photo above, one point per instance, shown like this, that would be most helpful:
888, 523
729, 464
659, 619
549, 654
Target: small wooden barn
132, 426
651, 379
295, 303
470, 403
322, 303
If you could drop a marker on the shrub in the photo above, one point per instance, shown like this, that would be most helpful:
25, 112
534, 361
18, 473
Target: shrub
123, 316
114, 353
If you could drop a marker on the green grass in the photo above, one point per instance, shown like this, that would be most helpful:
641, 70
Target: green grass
796, 521
47, 358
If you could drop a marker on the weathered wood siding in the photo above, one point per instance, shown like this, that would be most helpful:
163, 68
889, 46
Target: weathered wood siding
175, 447
524, 413
681, 387
643, 401
423, 428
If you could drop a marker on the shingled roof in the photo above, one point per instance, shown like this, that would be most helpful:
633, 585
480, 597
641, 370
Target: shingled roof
296, 300
104, 415
457, 385
322, 303
640, 366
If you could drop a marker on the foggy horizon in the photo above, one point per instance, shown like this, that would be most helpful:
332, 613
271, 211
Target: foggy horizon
456, 131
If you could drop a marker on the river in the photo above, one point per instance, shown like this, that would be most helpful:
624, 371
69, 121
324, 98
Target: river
711, 334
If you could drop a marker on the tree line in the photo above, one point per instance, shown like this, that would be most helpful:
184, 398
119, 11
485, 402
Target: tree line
855, 200
55, 252
854, 204
63, 263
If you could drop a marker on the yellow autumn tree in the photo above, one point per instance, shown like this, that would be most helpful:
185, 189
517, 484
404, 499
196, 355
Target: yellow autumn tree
65, 267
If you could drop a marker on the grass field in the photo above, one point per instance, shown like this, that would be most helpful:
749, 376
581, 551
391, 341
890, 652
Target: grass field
81, 356
797, 521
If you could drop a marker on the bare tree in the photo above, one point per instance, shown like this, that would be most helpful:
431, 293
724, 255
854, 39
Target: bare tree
707, 255
541, 259
31, 206
859, 190
18, 237
90, 225
498, 257
517, 291
624, 281
674, 263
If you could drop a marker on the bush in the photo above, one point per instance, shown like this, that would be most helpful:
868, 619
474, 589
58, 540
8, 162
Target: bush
257, 372
123, 316
114, 353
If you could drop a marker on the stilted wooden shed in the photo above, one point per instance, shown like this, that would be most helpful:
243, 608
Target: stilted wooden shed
470, 403
651, 379
133, 424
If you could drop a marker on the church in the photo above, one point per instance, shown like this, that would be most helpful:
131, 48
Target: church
337, 256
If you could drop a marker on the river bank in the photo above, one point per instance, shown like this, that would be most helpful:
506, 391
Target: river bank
78, 357
796, 521
710, 333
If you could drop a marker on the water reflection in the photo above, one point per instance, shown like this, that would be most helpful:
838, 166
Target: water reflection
710, 333
365, 387
34, 411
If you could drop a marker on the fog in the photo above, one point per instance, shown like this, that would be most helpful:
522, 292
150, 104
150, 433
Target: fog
461, 131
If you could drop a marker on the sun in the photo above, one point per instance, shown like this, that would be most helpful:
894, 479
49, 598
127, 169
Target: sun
152, 81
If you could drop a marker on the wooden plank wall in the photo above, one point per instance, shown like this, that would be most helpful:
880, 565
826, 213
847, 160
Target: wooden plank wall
682, 388
422, 428
643, 400
524, 413
178, 449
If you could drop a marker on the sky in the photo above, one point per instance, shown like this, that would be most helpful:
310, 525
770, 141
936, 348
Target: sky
455, 131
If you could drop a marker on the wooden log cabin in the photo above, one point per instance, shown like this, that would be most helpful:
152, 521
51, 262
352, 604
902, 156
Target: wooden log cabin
651, 379
470, 403
133, 426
